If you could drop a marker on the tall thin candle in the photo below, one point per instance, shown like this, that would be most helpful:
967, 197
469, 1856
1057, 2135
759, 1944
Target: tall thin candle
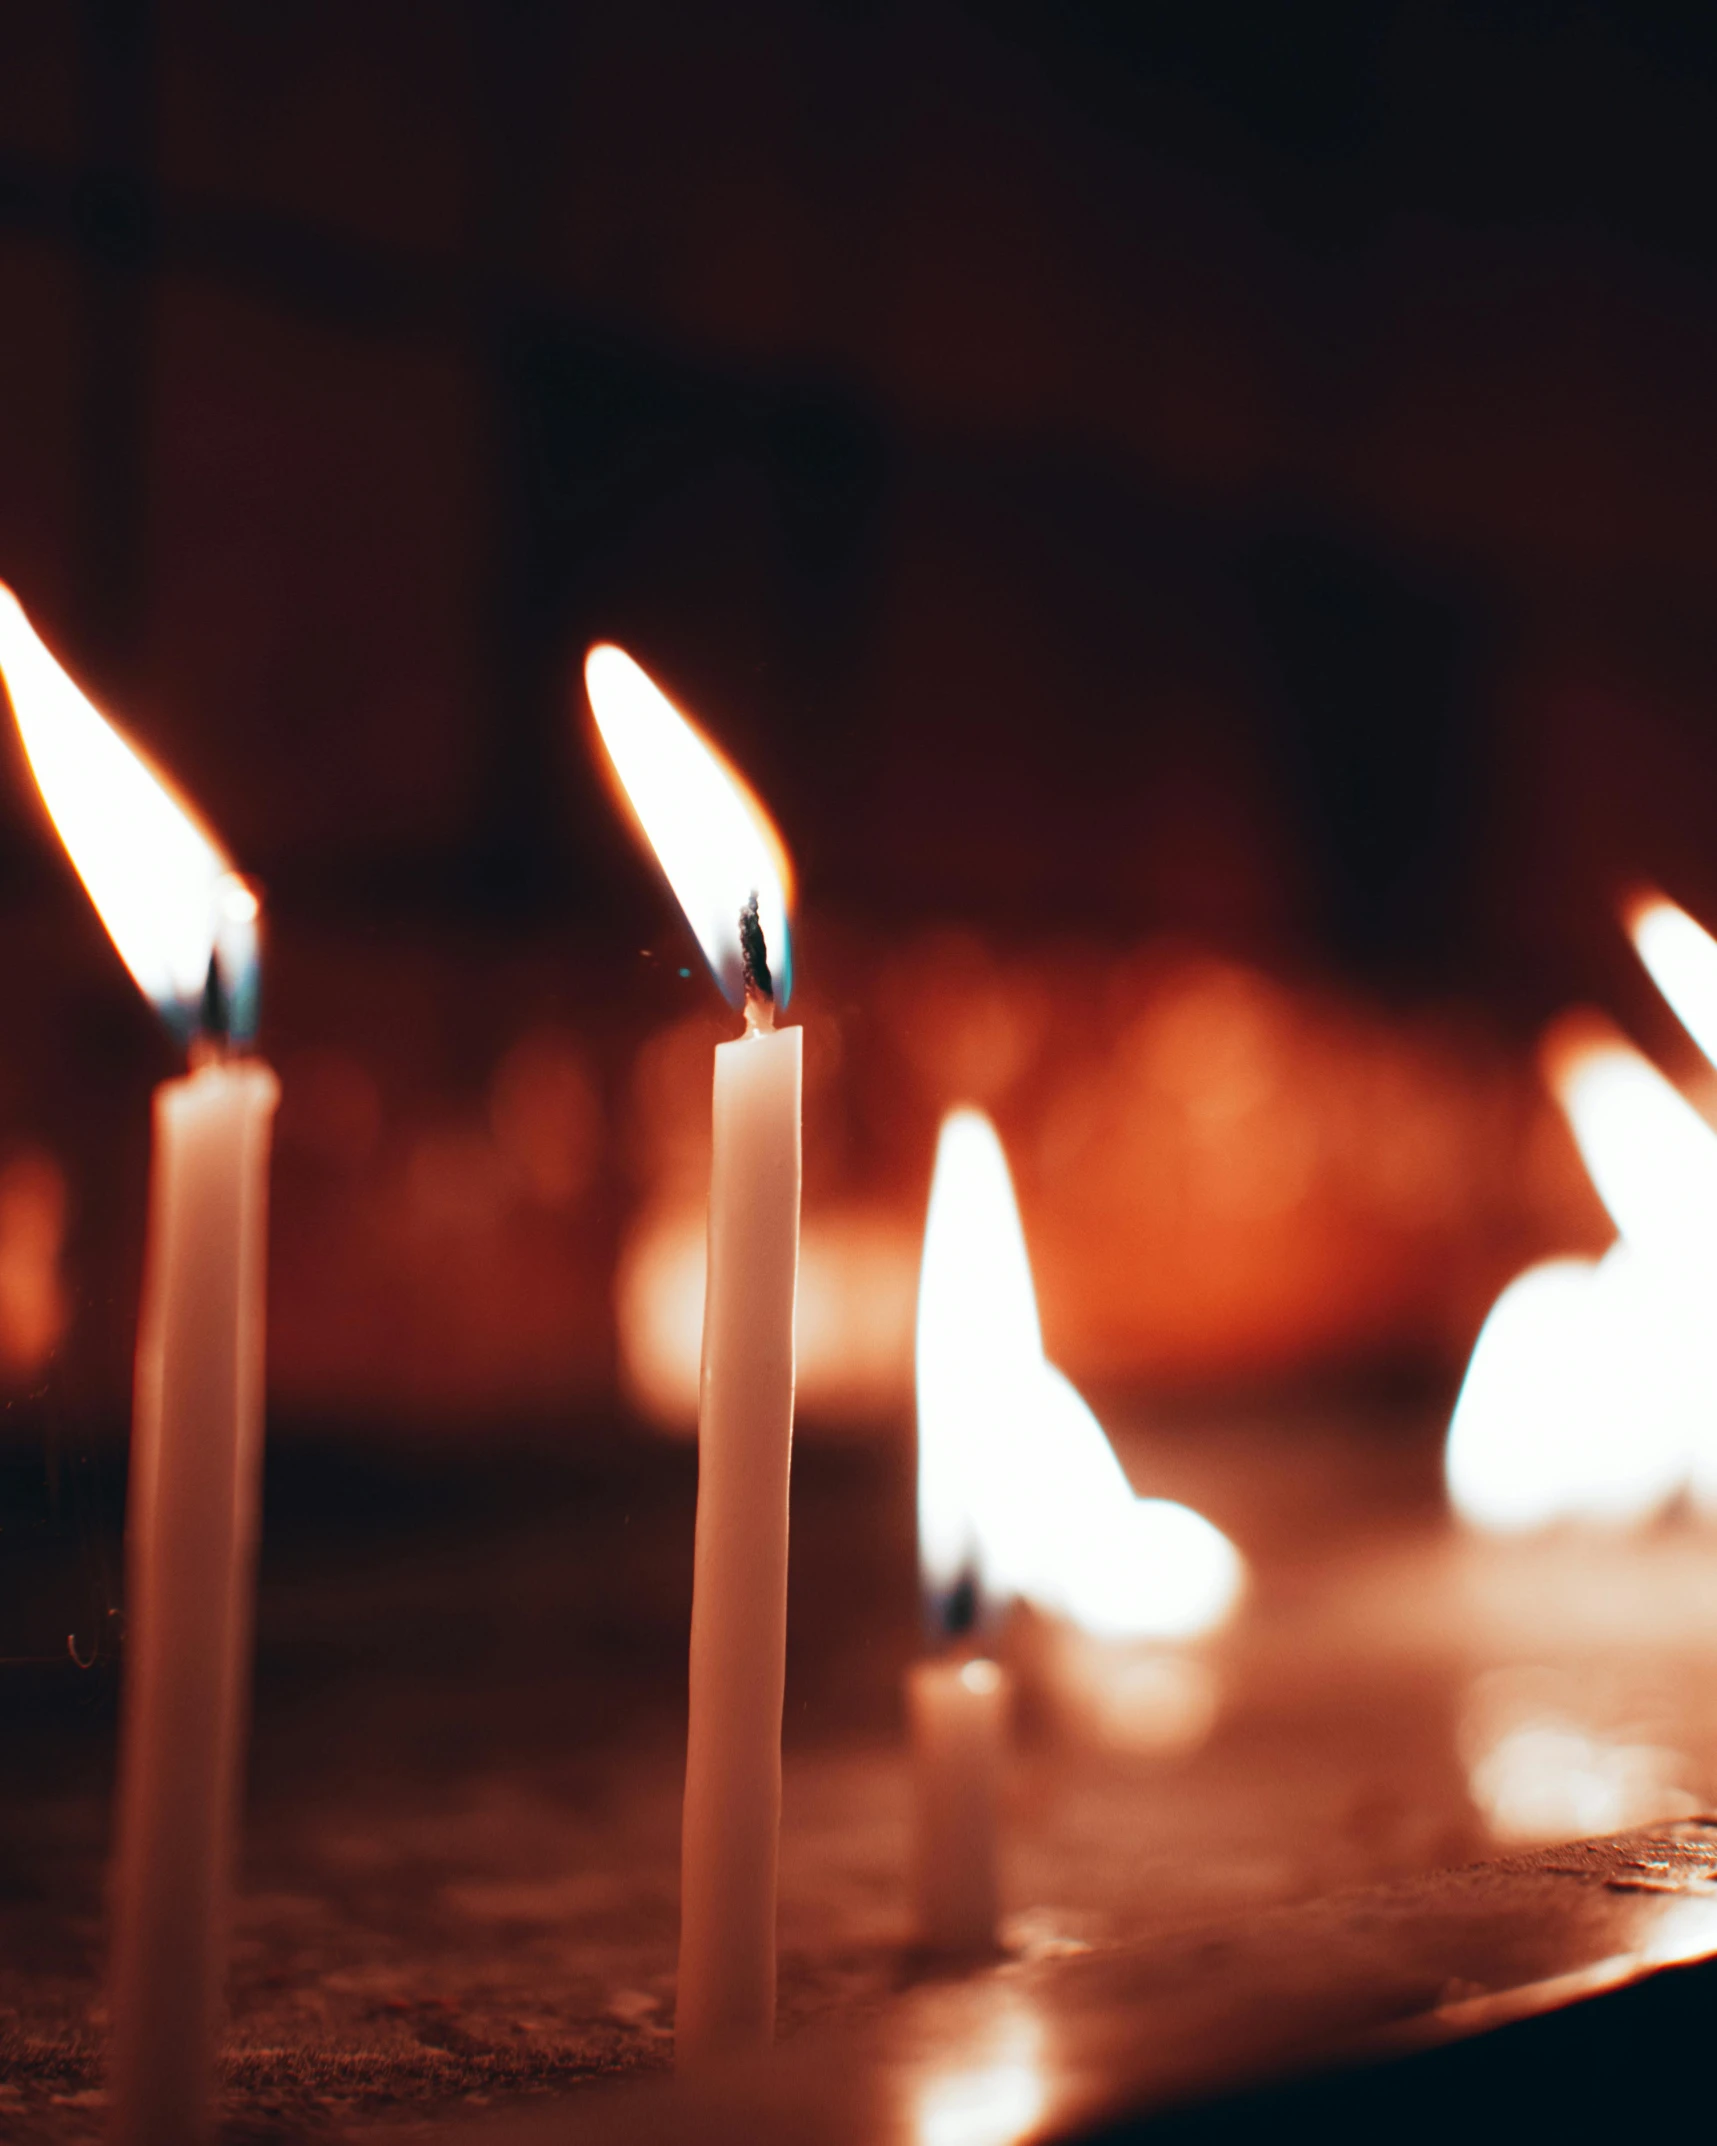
726, 866
187, 928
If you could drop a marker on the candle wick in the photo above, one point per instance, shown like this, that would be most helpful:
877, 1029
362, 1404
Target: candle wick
225, 1020
214, 1015
754, 960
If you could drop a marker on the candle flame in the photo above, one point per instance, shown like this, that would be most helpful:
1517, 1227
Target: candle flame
159, 881
1651, 1156
1019, 1489
1592, 1389
1585, 1398
1681, 957
712, 838
978, 1350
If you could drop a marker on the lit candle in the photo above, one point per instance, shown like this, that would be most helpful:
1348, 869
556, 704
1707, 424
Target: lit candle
1020, 1495
1592, 1388
979, 1353
187, 928
728, 871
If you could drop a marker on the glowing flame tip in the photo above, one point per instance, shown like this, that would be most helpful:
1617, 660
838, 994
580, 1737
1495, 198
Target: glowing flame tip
715, 843
159, 881
1019, 1489
1681, 957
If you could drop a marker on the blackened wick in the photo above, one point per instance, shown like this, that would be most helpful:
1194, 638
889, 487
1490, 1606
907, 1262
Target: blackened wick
754, 953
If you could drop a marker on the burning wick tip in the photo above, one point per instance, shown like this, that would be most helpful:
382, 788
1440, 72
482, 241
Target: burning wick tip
954, 1613
214, 1015
754, 960
226, 1015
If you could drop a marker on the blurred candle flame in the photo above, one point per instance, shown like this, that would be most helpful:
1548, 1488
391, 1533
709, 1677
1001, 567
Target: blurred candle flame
1577, 1403
1681, 958
1651, 1156
1591, 1393
715, 843
1019, 1489
160, 882
978, 1350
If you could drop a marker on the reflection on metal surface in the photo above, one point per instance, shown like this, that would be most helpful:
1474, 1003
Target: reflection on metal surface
992, 2100
1540, 1768
1681, 1930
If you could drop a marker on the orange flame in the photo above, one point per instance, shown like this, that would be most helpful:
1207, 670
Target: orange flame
1019, 1489
1681, 957
159, 881
1592, 1389
712, 838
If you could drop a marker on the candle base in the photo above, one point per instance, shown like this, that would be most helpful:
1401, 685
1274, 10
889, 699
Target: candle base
958, 1714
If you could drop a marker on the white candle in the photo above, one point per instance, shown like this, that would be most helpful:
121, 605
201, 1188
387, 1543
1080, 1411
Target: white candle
727, 869
957, 1711
186, 927
196, 1454
739, 1576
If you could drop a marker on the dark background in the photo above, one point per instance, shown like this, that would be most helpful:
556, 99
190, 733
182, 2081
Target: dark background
1106, 472
1097, 465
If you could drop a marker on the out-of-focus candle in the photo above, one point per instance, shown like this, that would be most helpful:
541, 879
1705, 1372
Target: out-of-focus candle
979, 1352
186, 927
1591, 1393
1020, 1495
1681, 956
726, 867
957, 1711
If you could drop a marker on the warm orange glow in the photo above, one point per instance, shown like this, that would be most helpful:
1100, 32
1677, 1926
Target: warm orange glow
33, 1302
853, 1317
1681, 957
1017, 1484
158, 880
713, 840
